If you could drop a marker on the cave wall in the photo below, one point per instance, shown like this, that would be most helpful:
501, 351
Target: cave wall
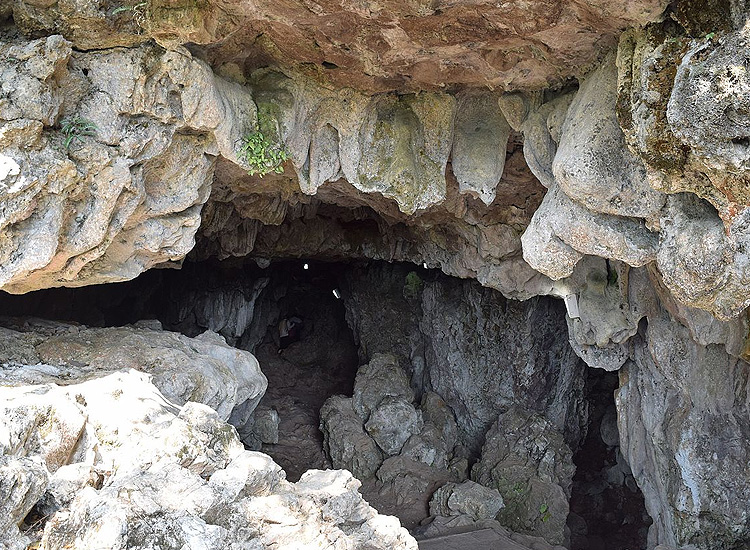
614, 175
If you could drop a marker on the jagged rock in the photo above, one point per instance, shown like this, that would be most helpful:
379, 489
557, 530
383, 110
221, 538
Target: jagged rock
434, 444
22, 483
345, 442
173, 476
526, 459
119, 188
476, 342
203, 369
682, 413
392, 422
467, 498
380, 378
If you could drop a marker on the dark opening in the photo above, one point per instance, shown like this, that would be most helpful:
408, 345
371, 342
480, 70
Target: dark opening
607, 510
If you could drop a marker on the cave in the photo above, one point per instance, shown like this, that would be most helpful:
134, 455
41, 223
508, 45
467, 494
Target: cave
353, 311
366, 275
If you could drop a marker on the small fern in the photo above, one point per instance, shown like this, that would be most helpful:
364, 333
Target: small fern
75, 129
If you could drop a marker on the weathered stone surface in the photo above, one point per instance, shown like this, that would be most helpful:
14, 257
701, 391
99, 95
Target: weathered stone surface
22, 483
202, 369
345, 442
484, 354
682, 412
526, 459
378, 47
479, 144
126, 190
382, 377
392, 422
467, 498
592, 165
174, 476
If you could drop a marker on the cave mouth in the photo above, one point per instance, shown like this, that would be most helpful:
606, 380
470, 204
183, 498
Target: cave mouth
246, 304
245, 300
607, 509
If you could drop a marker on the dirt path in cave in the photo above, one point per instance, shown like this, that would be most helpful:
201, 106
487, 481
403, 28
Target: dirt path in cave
300, 378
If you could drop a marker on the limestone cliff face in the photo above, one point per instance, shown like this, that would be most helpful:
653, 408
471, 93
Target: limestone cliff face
534, 147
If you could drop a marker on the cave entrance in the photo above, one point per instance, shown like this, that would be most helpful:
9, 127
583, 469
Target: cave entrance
607, 510
246, 303
308, 354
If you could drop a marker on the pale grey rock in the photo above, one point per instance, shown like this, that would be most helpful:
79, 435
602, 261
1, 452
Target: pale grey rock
428, 446
527, 460
612, 299
682, 416
345, 441
203, 369
592, 164
467, 498
541, 134
562, 231
125, 198
262, 427
711, 92
171, 476
380, 378
392, 422
480, 140
22, 483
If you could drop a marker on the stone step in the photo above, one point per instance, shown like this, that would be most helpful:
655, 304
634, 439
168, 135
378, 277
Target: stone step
482, 539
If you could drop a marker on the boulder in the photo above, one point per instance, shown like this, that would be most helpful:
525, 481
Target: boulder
526, 459
345, 441
202, 369
166, 475
467, 498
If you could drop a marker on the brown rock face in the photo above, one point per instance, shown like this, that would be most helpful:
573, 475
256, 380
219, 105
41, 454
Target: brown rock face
423, 44
376, 45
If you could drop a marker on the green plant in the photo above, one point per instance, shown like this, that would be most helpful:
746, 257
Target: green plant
544, 513
75, 128
710, 36
262, 154
138, 12
412, 285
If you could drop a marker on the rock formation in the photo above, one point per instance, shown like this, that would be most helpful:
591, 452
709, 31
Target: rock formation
593, 151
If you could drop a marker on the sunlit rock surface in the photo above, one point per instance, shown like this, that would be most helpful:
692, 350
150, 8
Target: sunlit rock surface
147, 471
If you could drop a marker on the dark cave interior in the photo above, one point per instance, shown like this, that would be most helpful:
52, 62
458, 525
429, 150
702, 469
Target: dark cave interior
245, 303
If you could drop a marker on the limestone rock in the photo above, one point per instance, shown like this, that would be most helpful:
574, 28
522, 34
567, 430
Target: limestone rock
203, 369
171, 476
479, 144
681, 410
22, 483
92, 175
468, 498
528, 462
392, 423
380, 378
592, 165
345, 441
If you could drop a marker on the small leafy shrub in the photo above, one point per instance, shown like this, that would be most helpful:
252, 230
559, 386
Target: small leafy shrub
412, 286
262, 154
75, 129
